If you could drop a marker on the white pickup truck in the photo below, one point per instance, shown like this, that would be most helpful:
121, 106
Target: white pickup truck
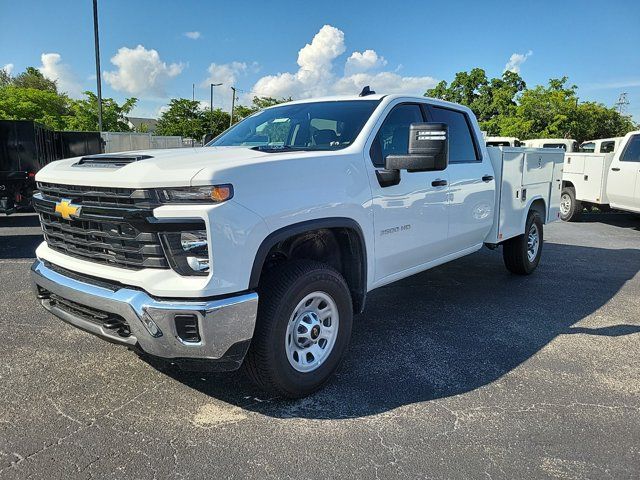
259, 248
605, 180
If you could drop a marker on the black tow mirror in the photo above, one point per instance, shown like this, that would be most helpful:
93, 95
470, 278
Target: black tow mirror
428, 149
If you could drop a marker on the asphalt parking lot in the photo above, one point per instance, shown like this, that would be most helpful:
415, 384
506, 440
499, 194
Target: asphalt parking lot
464, 371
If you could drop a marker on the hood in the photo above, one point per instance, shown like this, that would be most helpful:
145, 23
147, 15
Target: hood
165, 168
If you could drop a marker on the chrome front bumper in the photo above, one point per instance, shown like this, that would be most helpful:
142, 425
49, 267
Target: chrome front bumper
222, 323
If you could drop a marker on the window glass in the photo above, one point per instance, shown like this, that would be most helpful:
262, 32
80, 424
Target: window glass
497, 143
302, 126
607, 147
554, 145
632, 151
393, 136
588, 147
461, 147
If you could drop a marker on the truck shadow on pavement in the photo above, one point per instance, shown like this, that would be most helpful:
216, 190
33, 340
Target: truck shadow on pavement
450, 330
616, 219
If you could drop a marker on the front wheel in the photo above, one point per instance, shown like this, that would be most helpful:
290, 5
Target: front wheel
522, 254
303, 328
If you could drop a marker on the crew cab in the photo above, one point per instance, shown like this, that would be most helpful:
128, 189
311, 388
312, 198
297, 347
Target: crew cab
604, 180
259, 248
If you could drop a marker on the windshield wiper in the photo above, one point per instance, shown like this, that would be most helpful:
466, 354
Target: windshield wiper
288, 148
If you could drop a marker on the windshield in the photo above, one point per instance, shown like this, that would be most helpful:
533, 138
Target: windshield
303, 126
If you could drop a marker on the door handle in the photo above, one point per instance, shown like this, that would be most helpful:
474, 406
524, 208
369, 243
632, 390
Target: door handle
615, 169
439, 183
487, 178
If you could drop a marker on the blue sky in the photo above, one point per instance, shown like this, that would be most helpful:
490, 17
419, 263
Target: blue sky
394, 46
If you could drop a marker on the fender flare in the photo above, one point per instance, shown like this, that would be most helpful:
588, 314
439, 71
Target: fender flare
297, 228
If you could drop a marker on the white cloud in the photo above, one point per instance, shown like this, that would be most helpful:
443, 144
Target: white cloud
228, 75
53, 69
141, 72
8, 68
315, 76
516, 60
193, 35
360, 62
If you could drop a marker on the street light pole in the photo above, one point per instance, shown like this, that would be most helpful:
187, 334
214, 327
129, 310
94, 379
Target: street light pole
97, 44
213, 85
233, 104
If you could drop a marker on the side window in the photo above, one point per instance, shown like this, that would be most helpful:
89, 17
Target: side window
461, 144
607, 147
393, 136
632, 151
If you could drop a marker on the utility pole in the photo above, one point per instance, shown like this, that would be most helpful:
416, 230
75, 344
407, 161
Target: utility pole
193, 92
622, 103
97, 45
233, 104
213, 85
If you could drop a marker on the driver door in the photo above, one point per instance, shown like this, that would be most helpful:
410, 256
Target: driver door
411, 218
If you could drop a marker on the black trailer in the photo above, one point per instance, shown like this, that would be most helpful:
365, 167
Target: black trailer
26, 147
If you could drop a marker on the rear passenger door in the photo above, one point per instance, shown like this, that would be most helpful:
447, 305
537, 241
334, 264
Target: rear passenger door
471, 182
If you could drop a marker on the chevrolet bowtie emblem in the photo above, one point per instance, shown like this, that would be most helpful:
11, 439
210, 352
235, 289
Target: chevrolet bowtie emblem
66, 209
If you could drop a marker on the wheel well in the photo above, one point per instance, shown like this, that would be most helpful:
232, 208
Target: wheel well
340, 247
566, 184
541, 208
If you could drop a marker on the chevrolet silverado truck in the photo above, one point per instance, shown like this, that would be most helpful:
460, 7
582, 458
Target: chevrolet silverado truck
258, 249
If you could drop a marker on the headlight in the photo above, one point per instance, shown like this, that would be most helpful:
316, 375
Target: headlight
208, 194
188, 252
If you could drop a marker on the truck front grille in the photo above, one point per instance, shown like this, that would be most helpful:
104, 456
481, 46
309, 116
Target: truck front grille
105, 229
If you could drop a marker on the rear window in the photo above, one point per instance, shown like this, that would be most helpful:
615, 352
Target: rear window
588, 147
554, 145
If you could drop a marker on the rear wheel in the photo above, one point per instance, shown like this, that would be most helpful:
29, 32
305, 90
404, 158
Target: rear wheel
570, 208
303, 328
522, 254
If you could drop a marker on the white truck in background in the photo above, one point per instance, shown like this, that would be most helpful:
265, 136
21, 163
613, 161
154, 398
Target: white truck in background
259, 248
605, 180
601, 145
566, 144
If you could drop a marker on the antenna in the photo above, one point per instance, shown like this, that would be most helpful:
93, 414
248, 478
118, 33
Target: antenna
621, 104
366, 91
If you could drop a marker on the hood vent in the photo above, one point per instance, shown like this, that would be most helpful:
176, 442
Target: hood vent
115, 160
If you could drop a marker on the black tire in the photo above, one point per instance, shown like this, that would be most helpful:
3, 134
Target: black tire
574, 210
280, 292
515, 250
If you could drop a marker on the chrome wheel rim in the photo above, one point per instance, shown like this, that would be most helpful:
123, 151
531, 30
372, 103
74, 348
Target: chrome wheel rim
312, 332
565, 204
533, 242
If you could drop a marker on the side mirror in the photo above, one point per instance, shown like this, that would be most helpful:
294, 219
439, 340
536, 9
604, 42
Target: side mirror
428, 149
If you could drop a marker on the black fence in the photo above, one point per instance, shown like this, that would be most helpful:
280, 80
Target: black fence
26, 147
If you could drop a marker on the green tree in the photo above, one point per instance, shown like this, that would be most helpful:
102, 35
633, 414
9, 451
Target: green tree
44, 106
505, 106
183, 117
33, 78
5, 78
84, 114
215, 122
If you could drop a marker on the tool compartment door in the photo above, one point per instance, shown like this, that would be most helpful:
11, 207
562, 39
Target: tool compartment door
538, 168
